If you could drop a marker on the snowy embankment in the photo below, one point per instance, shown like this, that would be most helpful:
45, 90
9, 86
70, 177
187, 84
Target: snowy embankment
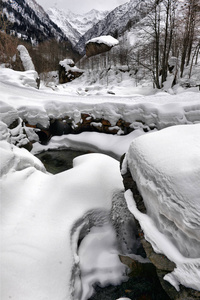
166, 167
157, 111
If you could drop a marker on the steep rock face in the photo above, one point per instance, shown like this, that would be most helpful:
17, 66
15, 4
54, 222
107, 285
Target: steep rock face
161, 262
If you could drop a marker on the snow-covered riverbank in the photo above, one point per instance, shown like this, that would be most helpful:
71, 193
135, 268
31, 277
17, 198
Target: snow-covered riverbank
40, 210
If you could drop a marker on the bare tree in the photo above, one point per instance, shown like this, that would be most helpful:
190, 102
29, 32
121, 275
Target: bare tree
192, 10
170, 15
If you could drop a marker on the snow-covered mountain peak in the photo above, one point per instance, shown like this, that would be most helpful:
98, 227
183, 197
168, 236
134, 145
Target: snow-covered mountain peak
38, 9
80, 23
60, 18
115, 22
30, 21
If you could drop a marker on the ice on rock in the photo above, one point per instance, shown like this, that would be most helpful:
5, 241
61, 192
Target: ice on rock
166, 168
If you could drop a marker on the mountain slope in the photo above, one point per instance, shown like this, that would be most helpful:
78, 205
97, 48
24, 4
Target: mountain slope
115, 22
29, 21
60, 18
84, 22
75, 25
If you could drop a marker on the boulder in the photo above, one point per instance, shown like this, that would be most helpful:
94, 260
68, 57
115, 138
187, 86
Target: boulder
161, 262
95, 48
68, 71
100, 45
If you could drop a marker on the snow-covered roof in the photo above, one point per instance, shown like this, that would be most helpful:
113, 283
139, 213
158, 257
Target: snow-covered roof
104, 39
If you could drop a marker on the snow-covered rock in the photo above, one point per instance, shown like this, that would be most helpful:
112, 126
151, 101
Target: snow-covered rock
68, 71
166, 167
100, 44
42, 216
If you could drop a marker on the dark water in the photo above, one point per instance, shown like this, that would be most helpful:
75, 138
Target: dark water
56, 161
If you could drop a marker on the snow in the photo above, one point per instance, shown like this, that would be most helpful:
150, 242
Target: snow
44, 216
68, 64
112, 145
124, 298
38, 106
25, 58
37, 221
166, 168
104, 39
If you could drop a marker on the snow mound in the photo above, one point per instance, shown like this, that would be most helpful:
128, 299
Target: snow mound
166, 168
18, 78
39, 239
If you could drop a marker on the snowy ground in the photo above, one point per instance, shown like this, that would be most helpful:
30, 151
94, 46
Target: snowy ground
43, 214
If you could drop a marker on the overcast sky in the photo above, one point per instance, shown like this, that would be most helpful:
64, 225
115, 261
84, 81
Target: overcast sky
81, 6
